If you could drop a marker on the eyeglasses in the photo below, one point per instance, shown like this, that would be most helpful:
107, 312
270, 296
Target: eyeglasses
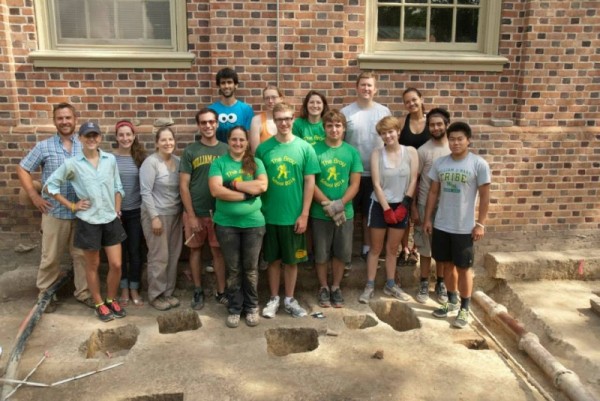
208, 122
283, 120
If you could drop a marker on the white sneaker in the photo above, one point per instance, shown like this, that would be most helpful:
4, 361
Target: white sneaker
294, 309
270, 310
396, 292
210, 268
367, 294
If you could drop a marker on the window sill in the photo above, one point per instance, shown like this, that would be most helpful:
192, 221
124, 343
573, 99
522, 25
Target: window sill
431, 61
97, 59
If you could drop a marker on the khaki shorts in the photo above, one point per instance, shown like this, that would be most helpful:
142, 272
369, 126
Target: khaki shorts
207, 231
421, 238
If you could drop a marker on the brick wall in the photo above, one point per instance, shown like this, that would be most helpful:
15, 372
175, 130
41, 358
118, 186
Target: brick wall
545, 168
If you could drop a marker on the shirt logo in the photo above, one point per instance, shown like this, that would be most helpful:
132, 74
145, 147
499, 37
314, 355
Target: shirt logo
228, 118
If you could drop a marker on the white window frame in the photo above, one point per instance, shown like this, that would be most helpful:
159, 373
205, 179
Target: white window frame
109, 56
439, 57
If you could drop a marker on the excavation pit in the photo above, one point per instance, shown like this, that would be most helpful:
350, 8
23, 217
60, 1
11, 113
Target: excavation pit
182, 320
111, 342
474, 343
158, 397
285, 341
397, 314
359, 322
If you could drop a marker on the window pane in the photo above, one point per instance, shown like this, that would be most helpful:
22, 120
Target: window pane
130, 28
415, 1
69, 23
470, 2
158, 14
441, 25
415, 24
442, 1
388, 23
101, 17
467, 20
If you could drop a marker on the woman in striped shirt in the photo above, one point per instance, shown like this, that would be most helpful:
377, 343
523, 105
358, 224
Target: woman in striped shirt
130, 154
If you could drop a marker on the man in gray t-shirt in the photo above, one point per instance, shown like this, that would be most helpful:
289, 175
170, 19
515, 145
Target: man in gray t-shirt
436, 147
457, 179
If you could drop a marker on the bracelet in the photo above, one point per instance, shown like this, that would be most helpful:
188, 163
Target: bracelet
72, 207
479, 224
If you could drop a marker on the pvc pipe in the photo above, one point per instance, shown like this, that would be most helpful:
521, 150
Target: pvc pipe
564, 379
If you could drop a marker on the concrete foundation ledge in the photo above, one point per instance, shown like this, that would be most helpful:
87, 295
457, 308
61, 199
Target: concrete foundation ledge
580, 264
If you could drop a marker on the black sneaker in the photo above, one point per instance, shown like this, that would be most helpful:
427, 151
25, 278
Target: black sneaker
324, 297
337, 300
222, 299
116, 309
198, 300
104, 313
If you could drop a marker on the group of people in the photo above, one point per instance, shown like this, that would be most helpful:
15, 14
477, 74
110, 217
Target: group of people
257, 185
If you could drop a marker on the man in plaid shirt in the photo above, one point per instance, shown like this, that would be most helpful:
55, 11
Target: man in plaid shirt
58, 222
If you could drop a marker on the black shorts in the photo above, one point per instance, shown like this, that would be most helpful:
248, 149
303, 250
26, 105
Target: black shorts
363, 197
92, 237
375, 217
455, 248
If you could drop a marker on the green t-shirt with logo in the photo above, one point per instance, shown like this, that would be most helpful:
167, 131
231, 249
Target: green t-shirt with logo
286, 165
242, 214
195, 161
337, 164
311, 133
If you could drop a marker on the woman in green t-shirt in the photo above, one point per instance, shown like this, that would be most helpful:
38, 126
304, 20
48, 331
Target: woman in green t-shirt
309, 126
236, 180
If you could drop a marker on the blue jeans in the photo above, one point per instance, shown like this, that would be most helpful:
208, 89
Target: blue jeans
240, 248
131, 272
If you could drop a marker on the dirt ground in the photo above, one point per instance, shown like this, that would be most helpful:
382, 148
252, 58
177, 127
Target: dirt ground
421, 358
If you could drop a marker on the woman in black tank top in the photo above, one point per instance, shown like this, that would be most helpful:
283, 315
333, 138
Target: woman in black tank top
415, 131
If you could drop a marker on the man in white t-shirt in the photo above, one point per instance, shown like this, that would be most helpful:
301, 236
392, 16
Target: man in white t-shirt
362, 117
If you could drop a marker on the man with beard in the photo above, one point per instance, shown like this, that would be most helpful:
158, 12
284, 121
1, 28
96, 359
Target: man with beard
436, 147
230, 111
58, 221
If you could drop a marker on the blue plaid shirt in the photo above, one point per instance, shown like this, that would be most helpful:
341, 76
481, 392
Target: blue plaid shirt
50, 155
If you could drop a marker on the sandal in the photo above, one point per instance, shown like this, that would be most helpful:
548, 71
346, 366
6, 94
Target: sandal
413, 257
123, 301
137, 301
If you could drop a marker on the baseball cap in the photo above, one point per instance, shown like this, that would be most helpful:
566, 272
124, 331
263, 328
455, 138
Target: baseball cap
88, 128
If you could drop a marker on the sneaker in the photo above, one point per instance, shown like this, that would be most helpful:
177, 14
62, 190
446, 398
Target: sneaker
233, 321
270, 310
116, 309
367, 294
441, 293
423, 294
324, 297
446, 308
337, 300
89, 302
396, 292
294, 309
462, 320
364, 255
252, 317
104, 313
160, 304
174, 302
262, 265
210, 268
197, 300
222, 298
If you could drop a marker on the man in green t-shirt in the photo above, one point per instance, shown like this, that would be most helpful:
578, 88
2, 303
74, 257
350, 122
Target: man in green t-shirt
199, 204
291, 165
332, 212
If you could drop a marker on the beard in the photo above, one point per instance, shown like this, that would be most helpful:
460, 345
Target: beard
227, 95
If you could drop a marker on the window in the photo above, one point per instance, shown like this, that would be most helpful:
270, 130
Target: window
433, 35
112, 33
